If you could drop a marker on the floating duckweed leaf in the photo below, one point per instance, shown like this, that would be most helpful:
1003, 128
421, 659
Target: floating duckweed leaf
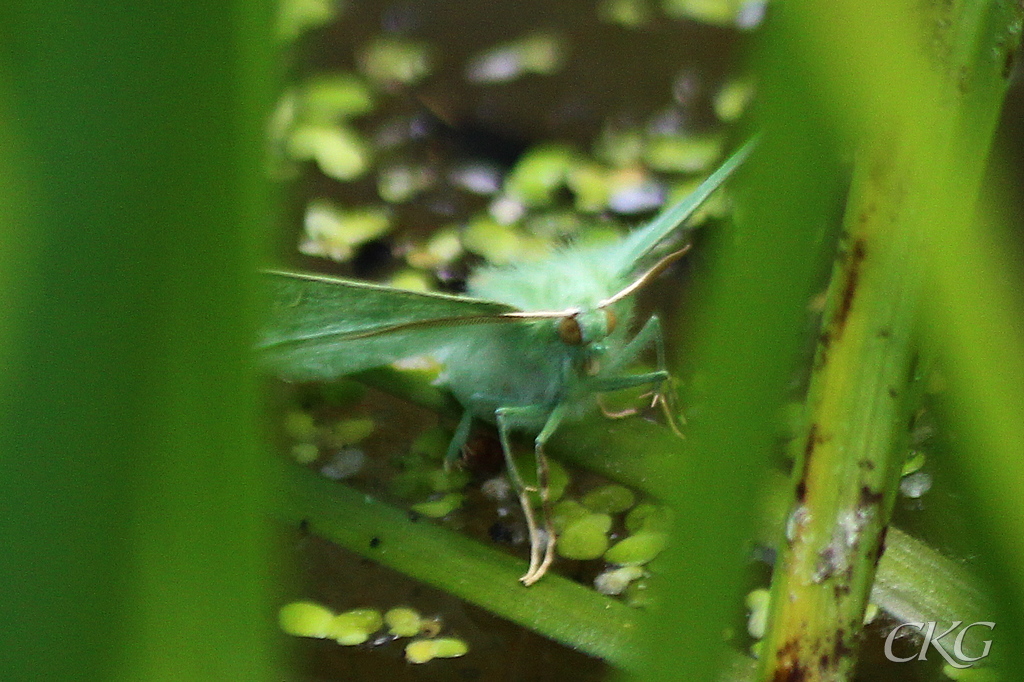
424, 650
553, 224
609, 499
431, 444
334, 233
732, 99
412, 483
501, 244
558, 477
615, 581
338, 151
539, 53
443, 481
306, 619
637, 549
441, 248
305, 453
915, 460
294, 17
585, 538
402, 621
591, 187
628, 13
355, 626
565, 512
328, 98
398, 184
391, 60
299, 425
540, 172
410, 280
715, 12
757, 601
436, 509
646, 516
449, 647
683, 153
619, 147
350, 431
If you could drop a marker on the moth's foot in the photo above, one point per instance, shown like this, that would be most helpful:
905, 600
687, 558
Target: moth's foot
615, 414
672, 416
537, 572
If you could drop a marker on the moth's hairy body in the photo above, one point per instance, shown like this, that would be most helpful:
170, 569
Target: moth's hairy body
531, 364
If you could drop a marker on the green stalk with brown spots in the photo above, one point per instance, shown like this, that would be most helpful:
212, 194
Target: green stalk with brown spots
923, 124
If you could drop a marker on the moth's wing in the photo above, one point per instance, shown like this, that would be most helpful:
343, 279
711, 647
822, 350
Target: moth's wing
325, 327
639, 243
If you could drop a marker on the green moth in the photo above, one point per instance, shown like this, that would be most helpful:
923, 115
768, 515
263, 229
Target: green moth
532, 345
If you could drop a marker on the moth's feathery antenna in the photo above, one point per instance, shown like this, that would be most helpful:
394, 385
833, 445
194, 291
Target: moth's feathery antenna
643, 279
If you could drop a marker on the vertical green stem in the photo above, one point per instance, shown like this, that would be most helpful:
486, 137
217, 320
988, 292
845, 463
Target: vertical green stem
845, 479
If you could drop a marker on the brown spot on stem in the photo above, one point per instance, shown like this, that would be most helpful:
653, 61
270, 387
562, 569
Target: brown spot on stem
857, 255
869, 497
880, 549
787, 663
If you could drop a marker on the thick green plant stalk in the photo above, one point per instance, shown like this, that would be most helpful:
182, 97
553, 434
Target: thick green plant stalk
845, 481
135, 544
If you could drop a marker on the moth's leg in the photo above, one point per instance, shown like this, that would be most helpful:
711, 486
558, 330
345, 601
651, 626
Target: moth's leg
507, 419
550, 426
649, 334
458, 439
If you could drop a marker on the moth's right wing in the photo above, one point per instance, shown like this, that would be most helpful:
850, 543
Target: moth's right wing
324, 327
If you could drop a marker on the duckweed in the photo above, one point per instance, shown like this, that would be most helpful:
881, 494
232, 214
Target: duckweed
305, 453
558, 477
683, 153
410, 280
609, 499
334, 233
424, 650
732, 99
355, 626
389, 60
637, 549
305, 619
757, 601
540, 172
650, 517
436, 509
402, 621
339, 151
585, 538
565, 512
299, 425
349, 431
328, 98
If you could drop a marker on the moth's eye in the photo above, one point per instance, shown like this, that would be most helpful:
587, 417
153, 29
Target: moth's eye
610, 320
569, 331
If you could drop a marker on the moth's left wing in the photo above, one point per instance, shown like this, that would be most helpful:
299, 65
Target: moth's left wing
639, 243
325, 327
